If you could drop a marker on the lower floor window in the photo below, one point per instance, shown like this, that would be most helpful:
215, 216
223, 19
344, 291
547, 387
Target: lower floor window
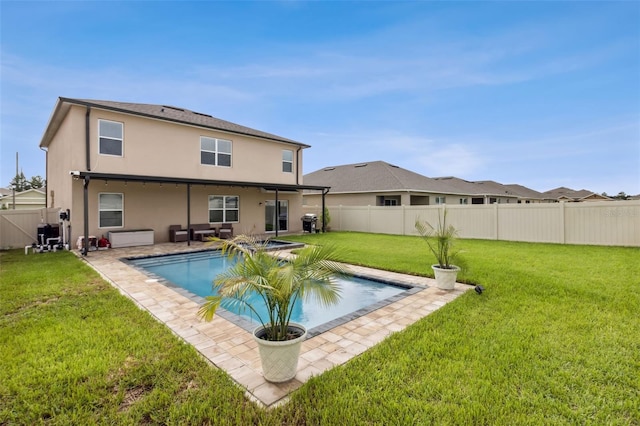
111, 210
224, 208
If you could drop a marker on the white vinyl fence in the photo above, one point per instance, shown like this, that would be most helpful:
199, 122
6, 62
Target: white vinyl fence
19, 228
615, 223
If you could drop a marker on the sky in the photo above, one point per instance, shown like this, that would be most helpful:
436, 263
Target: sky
542, 94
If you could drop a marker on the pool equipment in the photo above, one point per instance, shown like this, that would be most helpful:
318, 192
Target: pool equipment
48, 236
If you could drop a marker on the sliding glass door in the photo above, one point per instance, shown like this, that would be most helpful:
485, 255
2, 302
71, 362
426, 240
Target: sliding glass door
273, 216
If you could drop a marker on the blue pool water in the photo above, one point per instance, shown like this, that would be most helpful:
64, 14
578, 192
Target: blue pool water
195, 272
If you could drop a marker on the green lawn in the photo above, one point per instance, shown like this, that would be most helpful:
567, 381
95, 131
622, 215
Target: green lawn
554, 339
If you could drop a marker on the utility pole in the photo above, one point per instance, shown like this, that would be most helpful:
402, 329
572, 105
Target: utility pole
15, 182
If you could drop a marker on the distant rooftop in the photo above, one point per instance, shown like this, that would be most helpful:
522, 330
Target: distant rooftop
376, 176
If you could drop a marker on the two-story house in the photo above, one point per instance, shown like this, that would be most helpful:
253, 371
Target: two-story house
128, 166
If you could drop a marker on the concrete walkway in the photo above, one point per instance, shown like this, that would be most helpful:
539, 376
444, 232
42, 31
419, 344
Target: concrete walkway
232, 348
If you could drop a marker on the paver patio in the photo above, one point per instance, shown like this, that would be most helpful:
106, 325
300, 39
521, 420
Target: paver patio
231, 348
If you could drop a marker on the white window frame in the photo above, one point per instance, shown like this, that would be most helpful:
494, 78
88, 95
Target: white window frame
464, 201
121, 210
110, 138
286, 162
224, 208
441, 199
216, 151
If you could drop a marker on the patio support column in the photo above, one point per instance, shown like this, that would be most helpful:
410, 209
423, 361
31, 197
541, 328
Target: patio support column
189, 214
277, 213
85, 249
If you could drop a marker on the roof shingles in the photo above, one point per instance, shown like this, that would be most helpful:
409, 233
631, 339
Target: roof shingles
181, 115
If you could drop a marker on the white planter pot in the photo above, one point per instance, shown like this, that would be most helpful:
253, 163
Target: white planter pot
445, 278
279, 359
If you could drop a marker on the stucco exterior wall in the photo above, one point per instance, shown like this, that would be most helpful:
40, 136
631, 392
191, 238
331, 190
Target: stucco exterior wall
157, 148
65, 153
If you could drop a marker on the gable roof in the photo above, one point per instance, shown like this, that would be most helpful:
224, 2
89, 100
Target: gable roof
377, 176
524, 192
563, 193
480, 188
161, 112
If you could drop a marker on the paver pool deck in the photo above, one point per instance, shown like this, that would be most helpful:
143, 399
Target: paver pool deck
232, 349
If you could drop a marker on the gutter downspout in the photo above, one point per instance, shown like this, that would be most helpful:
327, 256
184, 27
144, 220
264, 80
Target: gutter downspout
46, 177
88, 138
298, 166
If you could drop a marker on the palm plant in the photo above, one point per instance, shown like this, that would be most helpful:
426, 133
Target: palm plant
279, 284
440, 240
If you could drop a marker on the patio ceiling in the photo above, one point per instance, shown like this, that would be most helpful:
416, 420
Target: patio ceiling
190, 181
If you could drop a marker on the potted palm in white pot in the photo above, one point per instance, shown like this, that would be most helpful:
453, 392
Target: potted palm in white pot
440, 240
260, 277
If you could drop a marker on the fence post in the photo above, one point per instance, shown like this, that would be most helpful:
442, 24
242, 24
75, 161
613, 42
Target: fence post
496, 222
404, 219
563, 218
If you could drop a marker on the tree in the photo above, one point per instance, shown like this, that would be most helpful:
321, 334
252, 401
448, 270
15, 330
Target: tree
621, 196
21, 183
259, 278
37, 182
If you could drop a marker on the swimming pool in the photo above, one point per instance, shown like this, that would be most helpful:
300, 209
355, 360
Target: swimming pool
194, 273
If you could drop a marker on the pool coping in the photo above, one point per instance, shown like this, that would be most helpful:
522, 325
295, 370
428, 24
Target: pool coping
232, 348
248, 325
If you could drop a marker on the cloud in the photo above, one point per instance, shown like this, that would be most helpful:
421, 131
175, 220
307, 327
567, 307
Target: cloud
450, 160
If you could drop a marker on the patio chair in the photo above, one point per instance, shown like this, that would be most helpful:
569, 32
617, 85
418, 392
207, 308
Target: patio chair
225, 231
177, 233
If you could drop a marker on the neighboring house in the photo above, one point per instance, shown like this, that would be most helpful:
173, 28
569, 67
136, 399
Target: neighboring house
4, 193
126, 166
526, 195
563, 194
378, 183
492, 192
29, 199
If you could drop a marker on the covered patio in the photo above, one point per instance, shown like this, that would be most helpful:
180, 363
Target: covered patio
87, 178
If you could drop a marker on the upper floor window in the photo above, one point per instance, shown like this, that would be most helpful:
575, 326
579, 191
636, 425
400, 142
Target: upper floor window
224, 208
216, 152
441, 200
287, 161
111, 137
110, 210
464, 201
